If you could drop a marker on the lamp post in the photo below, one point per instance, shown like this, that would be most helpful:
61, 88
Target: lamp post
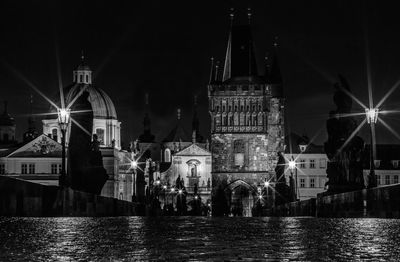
63, 121
292, 167
372, 116
134, 165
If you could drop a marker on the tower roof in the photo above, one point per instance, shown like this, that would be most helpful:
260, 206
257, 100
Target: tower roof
240, 58
178, 133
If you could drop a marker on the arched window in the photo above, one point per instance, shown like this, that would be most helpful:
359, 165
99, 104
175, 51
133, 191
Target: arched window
167, 155
54, 134
254, 120
80, 78
260, 119
242, 119
236, 119
248, 119
100, 135
87, 78
223, 120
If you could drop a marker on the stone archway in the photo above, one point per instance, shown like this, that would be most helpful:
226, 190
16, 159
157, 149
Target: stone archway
241, 197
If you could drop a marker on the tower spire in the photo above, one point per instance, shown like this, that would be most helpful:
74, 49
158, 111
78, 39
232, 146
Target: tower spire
227, 65
196, 123
212, 73
31, 133
147, 136
275, 77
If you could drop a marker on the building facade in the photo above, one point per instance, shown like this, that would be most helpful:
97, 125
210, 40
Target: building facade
311, 161
247, 122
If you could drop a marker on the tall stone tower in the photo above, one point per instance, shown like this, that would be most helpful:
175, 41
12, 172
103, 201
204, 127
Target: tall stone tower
247, 128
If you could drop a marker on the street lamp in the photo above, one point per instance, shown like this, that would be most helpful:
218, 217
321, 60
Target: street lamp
292, 167
63, 121
372, 117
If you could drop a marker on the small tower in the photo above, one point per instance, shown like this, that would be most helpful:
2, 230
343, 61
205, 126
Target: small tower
7, 127
31, 133
83, 74
147, 136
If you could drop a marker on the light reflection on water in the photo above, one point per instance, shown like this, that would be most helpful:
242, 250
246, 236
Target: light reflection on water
198, 239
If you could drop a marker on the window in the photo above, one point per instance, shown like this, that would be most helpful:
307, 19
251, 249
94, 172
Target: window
60, 169
377, 163
238, 149
395, 179
54, 134
378, 180
303, 148
87, 79
54, 168
31, 168
100, 135
302, 163
80, 78
2, 169
312, 163
322, 163
167, 155
312, 182
24, 168
395, 163
302, 182
387, 180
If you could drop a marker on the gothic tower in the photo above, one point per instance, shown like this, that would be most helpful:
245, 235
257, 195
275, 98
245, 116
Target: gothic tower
247, 128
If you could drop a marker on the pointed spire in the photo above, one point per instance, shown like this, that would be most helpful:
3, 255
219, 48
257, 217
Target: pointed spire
275, 77
178, 114
216, 75
227, 66
249, 15
147, 136
82, 57
212, 75
31, 133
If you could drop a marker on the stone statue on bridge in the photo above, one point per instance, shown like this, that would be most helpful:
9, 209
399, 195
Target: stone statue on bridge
344, 147
85, 164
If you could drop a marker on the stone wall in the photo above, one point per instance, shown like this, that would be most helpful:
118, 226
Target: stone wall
381, 202
23, 198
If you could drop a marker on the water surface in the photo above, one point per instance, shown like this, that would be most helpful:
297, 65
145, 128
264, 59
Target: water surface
198, 239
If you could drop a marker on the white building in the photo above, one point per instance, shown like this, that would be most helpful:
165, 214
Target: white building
311, 163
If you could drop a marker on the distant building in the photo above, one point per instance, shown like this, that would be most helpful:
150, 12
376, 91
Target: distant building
247, 122
387, 164
311, 162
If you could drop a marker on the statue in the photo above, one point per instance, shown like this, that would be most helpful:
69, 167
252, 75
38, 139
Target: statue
344, 169
283, 193
85, 165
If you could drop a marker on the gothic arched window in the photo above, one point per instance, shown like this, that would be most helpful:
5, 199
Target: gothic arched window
235, 119
167, 155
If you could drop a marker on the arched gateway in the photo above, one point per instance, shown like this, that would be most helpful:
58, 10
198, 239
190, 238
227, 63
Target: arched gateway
241, 198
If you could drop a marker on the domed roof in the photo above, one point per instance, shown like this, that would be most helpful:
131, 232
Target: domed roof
102, 105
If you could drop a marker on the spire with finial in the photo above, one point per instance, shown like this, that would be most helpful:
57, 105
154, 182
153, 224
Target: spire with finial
227, 66
31, 133
216, 74
212, 75
196, 122
275, 77
147, 136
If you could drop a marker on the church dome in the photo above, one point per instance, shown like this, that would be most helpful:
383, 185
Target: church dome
102, 105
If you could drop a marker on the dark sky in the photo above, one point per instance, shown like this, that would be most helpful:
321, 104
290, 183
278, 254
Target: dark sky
165, 48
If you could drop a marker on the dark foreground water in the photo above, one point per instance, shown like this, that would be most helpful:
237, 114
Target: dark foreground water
198, 239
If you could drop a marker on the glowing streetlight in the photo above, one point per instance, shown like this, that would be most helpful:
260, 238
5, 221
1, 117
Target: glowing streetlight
266, 183
164, 187
260, 196
134, 164
372, 117
172, 190
63, 121
180, 191
196, 197
292, 165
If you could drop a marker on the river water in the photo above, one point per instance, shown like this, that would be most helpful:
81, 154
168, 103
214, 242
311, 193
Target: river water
198, 239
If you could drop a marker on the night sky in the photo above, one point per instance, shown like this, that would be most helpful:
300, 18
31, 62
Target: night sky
165, 48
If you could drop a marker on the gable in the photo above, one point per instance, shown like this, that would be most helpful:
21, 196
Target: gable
42, 146
193, 150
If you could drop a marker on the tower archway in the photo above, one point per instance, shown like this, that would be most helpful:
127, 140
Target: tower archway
241, 196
